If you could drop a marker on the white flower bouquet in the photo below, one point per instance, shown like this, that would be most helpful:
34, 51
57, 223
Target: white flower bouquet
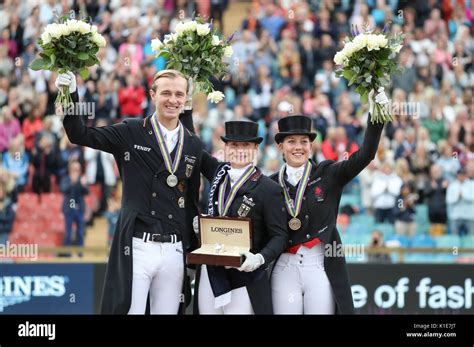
368, 61
196, 50
70, 45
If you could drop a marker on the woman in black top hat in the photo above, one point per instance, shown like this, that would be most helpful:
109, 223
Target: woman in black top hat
239, 189
310, 277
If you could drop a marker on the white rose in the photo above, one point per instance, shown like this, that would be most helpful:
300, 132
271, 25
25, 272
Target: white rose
46, 38
360, 40
64, 30
228, 51
215, 40
156, 45
349, 49
53, 30
339, 58
98, 39
215, 97
94, 28
180, 28
73, 25
203, 29
83, 27
397, 48
381, 40
191, 25
373, 42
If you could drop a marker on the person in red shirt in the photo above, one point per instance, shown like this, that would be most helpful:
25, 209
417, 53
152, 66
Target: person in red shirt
337, 146
131, 98
32, 126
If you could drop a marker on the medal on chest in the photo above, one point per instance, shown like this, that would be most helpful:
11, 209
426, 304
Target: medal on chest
171, 165
294, 206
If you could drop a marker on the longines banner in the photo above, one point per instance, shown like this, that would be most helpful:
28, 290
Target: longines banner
376, 288
46, 288
413, 288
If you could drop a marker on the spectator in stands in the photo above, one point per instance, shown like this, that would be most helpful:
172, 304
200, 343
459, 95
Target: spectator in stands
32, 126
7, 214
17, 161
113, 211
448, 160
100, 170
132, 51
366, 178
376, 242
405, 211
74, 188
460, 201
69, 152
6, 63
436, 199
131, 98
45, 162
385, 189
340, 148
9, 128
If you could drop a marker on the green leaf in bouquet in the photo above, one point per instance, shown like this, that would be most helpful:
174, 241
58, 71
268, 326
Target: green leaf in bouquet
49, 51
83, 56
84, 73
352, 80
38, 64
364, 98
348, 74
53, 58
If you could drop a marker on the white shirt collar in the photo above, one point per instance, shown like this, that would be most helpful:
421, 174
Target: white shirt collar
235, 174
169, 134
294, 174
171, 137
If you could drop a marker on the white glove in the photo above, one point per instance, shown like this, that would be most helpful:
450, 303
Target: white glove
252, 262
380, 98
195, 225
66, 80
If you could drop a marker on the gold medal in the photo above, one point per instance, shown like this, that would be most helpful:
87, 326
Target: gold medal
294, 224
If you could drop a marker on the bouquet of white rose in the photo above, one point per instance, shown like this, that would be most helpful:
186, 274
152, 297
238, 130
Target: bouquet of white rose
70, 45
368, 61
196, 50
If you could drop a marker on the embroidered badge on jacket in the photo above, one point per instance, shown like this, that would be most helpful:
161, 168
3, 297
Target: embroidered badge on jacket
189, 170
243, 210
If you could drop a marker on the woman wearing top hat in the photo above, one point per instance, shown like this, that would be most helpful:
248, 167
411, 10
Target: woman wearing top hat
310, 277
239, 189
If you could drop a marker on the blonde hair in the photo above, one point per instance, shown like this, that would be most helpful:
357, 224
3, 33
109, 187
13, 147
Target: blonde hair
168, 73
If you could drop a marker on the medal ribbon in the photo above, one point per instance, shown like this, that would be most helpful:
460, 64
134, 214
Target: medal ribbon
225, 205
170, 165
294, 209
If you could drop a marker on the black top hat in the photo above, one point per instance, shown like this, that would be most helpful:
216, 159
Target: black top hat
241, 131
294, 125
